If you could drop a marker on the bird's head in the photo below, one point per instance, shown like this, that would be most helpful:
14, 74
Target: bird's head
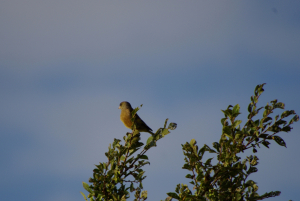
125, 105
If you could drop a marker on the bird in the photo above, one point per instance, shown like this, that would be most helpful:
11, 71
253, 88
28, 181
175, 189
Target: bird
125, 117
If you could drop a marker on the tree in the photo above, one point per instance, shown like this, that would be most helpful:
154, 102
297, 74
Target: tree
227, 180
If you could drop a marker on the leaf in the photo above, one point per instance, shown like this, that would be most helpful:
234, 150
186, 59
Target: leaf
149, 139
227, 130
266, 143
265, 114
193, 142
238, 136
251, 170
255, 99
216, 145
264, 136
259, 89
144, 157
255, 90
236, 109
131, 187
208, 161
280, 121
270, 194
173, 195
166, 123
144, 194
86, 187
210, 150
279, 140
236, 123
189, 176
187, 166
83, 196
294, 119
122, 158
250, 107
172, 126
229, 136
223, 120
279, 105
238, 196
164, 132
274, 102
287, 113
229, 106
286, 129
264, 120
227, 113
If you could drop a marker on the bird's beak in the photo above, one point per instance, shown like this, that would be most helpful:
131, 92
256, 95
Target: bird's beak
119, 107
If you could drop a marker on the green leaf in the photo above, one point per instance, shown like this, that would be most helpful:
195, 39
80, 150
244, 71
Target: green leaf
259, 89
187, 166
250, 107
270, 194
193, 142
166, 123
238, 196
227, 130
251, 170
238, 136
172, 126
274, 102
165, 132
83, 196
266, 143
256, 123
223, 120
236, 123
216, 145
208, 161
173, 195
144, 157
264, 120
294, 119
279, 140
279, 105
280, 121
255, 99
236, 109
286, 129
150, 139
144, 194
229, 136
264, 136
210, 150
189, 176
287, 113
229, 106
266, 113
86, 187
131, 187
227, 113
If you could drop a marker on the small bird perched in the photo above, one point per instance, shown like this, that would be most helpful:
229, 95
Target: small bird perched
125, 117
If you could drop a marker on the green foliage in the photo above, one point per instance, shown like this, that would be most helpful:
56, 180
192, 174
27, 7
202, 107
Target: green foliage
228, 179
122, 174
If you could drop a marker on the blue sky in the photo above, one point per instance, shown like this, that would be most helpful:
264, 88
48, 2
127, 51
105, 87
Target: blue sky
66, 65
